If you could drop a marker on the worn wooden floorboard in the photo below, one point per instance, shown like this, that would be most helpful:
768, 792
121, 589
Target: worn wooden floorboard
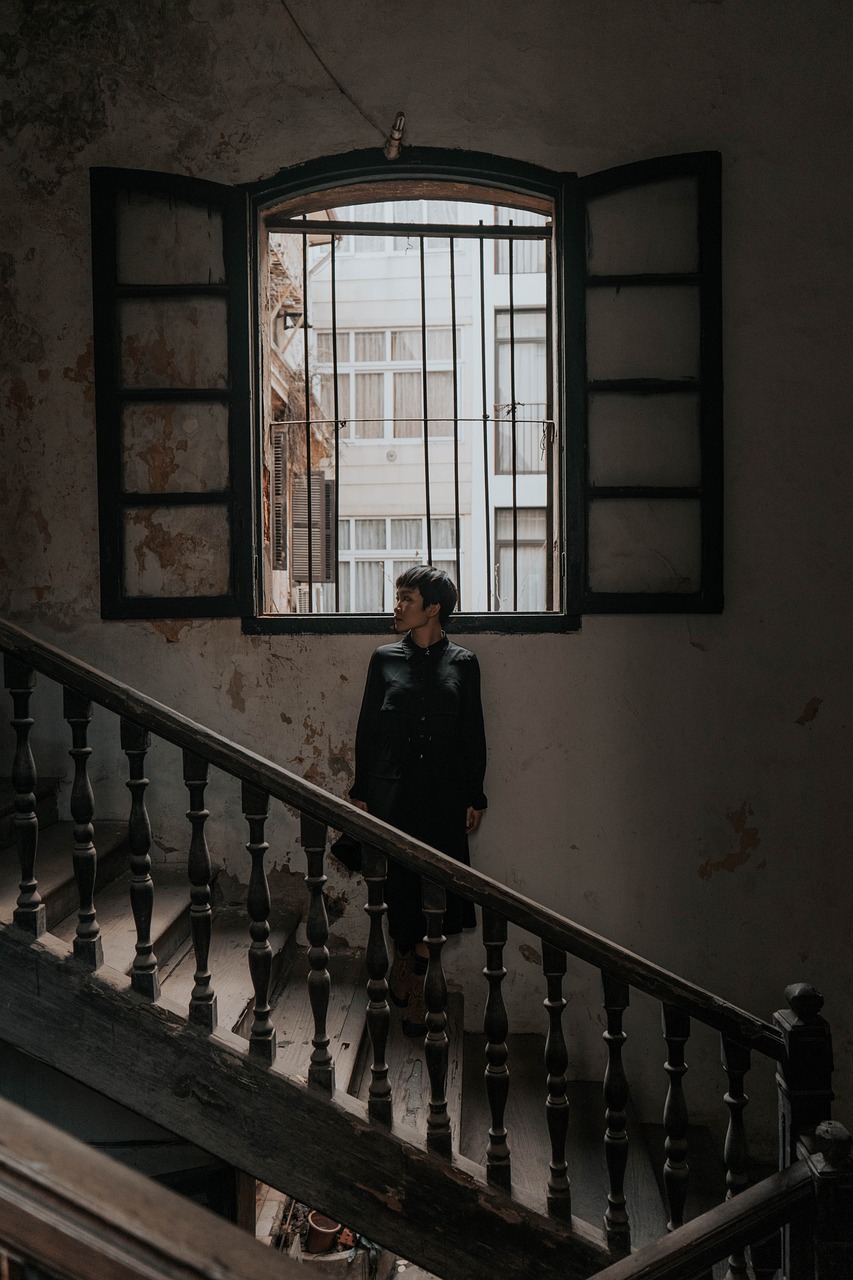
410, 1088
169, 922
55, 868
228, 962
529, 1143
294, 1020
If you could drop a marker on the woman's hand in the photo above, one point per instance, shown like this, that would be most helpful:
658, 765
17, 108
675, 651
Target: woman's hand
473, 818
360, 804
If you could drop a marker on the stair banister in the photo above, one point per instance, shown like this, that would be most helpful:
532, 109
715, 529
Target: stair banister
293, 790
694, 1248
798, 1040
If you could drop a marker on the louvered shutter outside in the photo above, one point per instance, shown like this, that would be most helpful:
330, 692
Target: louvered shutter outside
279, 511
321, 566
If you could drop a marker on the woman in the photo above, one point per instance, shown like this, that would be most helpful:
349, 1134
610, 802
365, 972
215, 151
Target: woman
420, 760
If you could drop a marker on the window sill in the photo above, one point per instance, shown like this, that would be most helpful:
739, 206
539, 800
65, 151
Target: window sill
379, 624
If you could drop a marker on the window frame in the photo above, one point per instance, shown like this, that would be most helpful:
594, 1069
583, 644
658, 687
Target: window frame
461, 174
315, 185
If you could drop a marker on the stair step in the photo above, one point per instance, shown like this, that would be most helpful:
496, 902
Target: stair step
408, 1076
527, 1136
345, 1019
55, 868
46, 807
229, 965
169, 922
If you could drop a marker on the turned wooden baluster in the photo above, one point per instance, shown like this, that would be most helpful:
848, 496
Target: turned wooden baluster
736, 1062
373, 868
556, 1061
135, 742
616, 1221
676, 1171
88, 946
203, 999
496, 1025
321, 1070
29, 913
436, 1044
256, 805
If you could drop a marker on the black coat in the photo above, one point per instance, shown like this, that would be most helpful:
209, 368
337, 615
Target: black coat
420, 758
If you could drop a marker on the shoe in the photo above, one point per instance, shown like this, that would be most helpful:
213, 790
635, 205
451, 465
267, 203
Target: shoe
400, 978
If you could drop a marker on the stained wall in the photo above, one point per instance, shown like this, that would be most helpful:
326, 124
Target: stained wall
679, 785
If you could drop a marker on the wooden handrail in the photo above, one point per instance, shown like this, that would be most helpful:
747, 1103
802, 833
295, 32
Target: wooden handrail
83, 1216
293, 790
693, 1249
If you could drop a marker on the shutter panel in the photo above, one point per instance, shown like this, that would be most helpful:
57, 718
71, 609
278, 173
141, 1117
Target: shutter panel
645, 384
279, 513
329, 530
171, 297
319, 569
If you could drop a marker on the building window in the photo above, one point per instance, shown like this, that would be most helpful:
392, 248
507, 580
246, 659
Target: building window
524, 425
521, 555
380, 382
548, 346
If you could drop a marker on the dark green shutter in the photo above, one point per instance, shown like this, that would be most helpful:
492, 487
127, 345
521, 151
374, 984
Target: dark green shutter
172, 372
644, 387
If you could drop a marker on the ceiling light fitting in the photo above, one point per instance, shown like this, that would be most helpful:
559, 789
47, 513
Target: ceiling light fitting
391, 150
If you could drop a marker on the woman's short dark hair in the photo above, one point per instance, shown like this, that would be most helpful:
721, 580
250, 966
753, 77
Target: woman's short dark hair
434, 585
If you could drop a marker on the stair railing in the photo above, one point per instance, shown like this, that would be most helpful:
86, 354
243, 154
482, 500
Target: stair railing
798, 1039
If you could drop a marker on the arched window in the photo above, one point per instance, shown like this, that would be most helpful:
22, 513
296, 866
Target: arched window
306, 385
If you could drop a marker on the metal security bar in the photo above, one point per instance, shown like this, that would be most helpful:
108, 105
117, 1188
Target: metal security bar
393, 365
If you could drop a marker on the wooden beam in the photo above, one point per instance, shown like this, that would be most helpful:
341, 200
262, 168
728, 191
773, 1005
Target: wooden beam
83, 1216
324, 1151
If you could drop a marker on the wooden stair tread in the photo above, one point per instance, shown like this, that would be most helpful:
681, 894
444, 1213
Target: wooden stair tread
408, 1076
345, 1020
55, 868
228, 963
115, 918
527, 1136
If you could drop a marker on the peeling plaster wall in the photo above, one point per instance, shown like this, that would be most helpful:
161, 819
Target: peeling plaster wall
680, 785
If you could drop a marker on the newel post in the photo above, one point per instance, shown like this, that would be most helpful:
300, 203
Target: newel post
804, 1078
832, 1176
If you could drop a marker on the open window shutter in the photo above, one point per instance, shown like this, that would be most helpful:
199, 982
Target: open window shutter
644, 382
172, 365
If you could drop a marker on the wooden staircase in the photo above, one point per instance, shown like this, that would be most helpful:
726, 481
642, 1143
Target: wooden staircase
285, 1060
346, 1017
